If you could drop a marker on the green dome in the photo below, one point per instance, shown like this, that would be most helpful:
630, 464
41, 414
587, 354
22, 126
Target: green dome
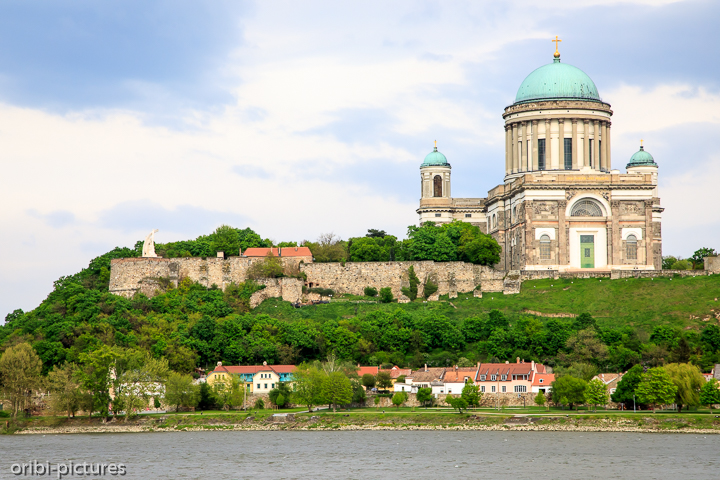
641, 158
557, 81
435, 158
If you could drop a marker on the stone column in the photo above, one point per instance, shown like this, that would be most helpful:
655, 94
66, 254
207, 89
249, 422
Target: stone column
574, 145
606, 142
586, 143
523, 147
649, 234
508, 149
603, 156
561, 143
534, 145
562, 234
596, 144
548, 150
615, 240
515, 160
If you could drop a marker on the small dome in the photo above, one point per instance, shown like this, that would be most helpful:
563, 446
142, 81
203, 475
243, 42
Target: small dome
435, 158
641, 158
557, 81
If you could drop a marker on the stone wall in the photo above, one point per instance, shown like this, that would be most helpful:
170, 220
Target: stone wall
289, 289
487, 400
712, 264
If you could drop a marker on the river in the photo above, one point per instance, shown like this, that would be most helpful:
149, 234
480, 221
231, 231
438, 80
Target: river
374, 454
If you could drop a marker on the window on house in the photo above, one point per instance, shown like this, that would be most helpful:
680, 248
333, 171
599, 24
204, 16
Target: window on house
568, 153
266, 385
437, 186
272, 385
468, 215
520, 388
493, 377
492, 389
437, 214
504, 389
482, 389
541, 154
545, 247
483, 377
540, 381
503, 377
586, 208
258, 386
631, 244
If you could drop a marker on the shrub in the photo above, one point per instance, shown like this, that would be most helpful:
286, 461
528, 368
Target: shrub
386, 295
323, 292
682, 265
412, 290
370, 291
430, 289
259, 404
269, 267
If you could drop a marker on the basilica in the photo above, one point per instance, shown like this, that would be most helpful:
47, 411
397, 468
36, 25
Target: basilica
561, 206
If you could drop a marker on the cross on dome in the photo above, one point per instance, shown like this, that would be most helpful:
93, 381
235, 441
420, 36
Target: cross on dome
557, 42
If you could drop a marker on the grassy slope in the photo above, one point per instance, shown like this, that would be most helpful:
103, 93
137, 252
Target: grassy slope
638, 302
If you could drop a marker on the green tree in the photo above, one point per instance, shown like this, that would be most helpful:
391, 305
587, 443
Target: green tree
139, 382
412, 291
308, 388
710, 394
399, 398
20, 369
457, 403
207, 397
281, 390
384, 381
370, 292
699, 256
358, 392
95, 375
424, 396
337, 389
656, 388
596, 393
668, 262
66, 394
429, 242
259, 404
429, 289
472, 395
682, 265
688, 379
181, 392
368, 381
540, 399
627, 385
386, 295
269, 267
570, 388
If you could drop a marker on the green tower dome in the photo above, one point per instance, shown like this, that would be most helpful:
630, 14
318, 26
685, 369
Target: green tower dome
435, 158
641, 158
557, 81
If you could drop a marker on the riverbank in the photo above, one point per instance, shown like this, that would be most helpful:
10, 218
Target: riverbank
644, 422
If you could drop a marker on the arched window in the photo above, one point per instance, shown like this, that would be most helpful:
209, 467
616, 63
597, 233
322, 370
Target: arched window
586, 208
631, 245
494, 220
437, 186
545, 247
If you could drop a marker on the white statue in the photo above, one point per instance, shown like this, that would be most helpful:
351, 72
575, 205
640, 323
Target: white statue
149, 245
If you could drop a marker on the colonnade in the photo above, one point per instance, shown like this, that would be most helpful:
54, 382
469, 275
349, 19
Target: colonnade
519, 159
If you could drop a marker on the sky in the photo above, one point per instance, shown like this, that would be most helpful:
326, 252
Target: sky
297, 118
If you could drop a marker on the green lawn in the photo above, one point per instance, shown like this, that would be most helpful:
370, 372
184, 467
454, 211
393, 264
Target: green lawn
641, 303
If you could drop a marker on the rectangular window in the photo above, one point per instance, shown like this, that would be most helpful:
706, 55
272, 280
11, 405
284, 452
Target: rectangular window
503, 377
493, 377
266, 385
272, 385
437, 214
483, 378
482, 389
568, 153
258, 386
504, 389
493, 389
541, 154
468, 215
520, 389
599, 153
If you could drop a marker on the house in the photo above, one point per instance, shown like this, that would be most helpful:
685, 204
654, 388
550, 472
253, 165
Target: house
365, 370
611, 380
542, 382
294, 253
456, 378
511, 377
426, 377
404, 387
396, 372
256, 378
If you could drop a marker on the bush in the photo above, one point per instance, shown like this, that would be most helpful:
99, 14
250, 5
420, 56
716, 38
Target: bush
430, 289
259, 404
370, 291
269, 267
411, 291
323, 292
386, 295
682, 265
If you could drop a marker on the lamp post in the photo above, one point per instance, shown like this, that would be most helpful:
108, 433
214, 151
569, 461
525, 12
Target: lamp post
634, 410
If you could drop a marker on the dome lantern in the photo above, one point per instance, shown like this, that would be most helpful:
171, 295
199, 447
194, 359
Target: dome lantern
641, 158
435, 159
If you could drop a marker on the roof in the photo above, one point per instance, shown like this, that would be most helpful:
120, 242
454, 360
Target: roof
641, 158
284, 252
505, 369
396, 371
547, 379
253, 369
371, 370
427, 376
557, 81
610, 379
435, 158
459, 375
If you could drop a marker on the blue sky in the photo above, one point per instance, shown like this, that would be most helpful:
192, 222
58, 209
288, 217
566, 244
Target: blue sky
299, 118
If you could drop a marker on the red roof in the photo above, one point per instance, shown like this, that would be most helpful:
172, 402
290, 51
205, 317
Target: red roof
547, 379
253, 369
396, 371
284, 252
371, 370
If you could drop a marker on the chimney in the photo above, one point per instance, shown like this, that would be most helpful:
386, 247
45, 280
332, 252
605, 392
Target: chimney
478, 366
456, 367
219, 364
358, 365
506, 362
426, 367
517, 359
265, 364
532, 365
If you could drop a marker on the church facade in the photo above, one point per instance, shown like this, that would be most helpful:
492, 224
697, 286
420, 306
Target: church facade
561, 206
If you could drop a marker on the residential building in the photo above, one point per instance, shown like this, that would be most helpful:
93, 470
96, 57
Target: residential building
396, 372
511, 377
256, 378
611, 380
456, 378
295, 253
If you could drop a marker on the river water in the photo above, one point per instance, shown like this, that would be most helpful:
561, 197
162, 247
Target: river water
374, 454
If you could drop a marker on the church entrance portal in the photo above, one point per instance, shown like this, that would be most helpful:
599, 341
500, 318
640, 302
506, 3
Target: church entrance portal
587, 251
